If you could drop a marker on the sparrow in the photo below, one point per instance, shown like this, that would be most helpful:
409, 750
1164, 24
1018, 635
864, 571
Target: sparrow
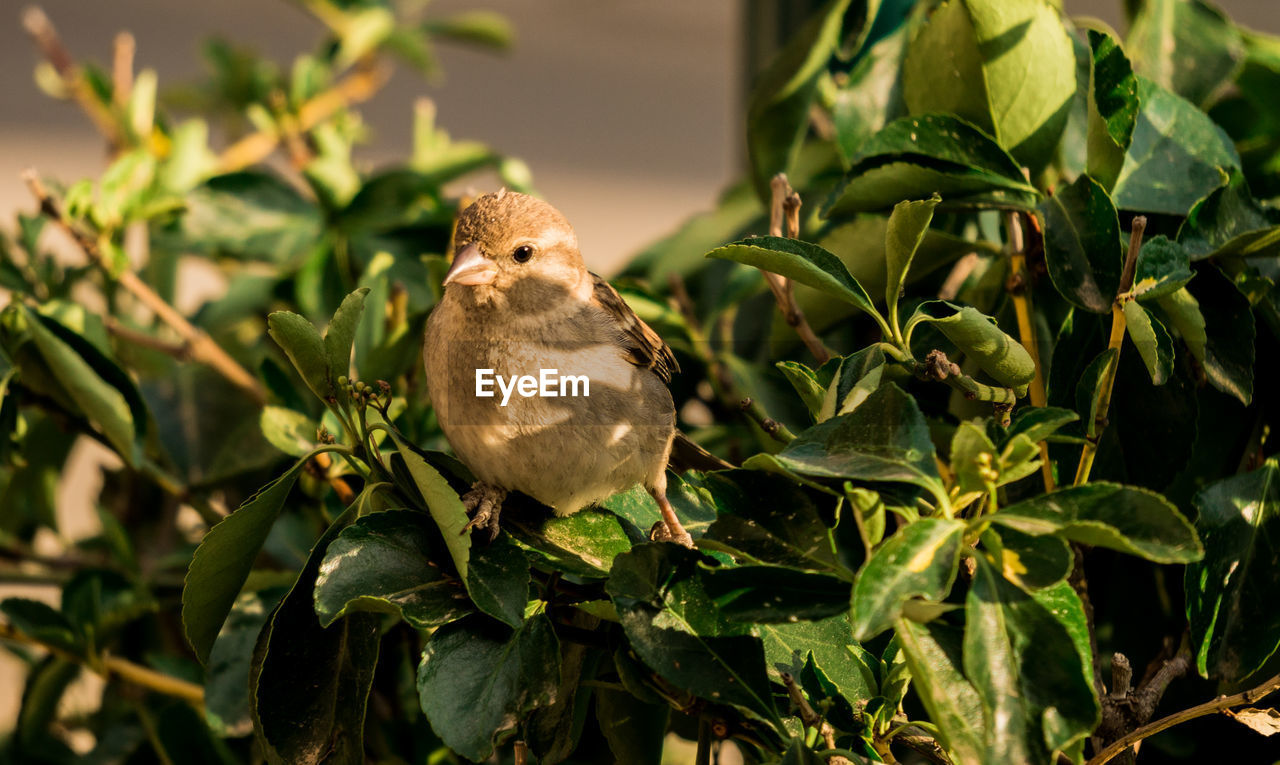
519, 300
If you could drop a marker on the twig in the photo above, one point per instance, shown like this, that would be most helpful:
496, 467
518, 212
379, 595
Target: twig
358, 86
200, 345
811, 719
179, 351
122, 68
520, 753
1209, 707
1108, 380
1019, 288
776, 430
938, 368
123, 668
41, 31
786, 205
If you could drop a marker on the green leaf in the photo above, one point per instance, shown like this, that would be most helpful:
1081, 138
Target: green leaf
721, 669
341, 333
249, 215
806, 384
293, 433
442, 502
483, 28
1163, 267
226, 685
1230, 332
42, 622
382, 563
871, 96
920, 156
1235, 626
977, 335
778, 113
885, 439
1123, 518
933, 655
583, 544
767, 519
1177, 156
222, 562
478, 680
775, 594
1113, 108
977, 58
1229, 221
828, 643
322, 718
1187, 46
1082, 244
856, 377
907, 226
1038, 423
919, 561
1037, 697
301, 342
968, 445
634, 728
1152, 340
1031, 562
498, 580
802, 262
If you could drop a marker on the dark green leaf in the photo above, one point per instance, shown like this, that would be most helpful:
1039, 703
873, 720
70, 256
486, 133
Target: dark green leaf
222, 562
1082, 244
800, 261
302, 344
1113, 108
933, 654
1229, 221
919, 560
885, 439
226, 686
382, 563
1037, 695
1235, 626
634, 728
918, 157
975, 58
1163, 267
857, 375
1123, 518
584, 543
775, 594
1177, 156
1230, 331
1038, 423
309, 684
479, 679
498, 580
1187, 46
42, 622
829, 645
778, 113
768, 519
1031, 562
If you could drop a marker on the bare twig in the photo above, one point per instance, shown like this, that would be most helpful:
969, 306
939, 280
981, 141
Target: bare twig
42, 33
122, 68
107, 666
1209, 707
1019, 288
938, 368
786, 205
776, 430
179, 351
1108, 380
200, 346
520, 753
358, 86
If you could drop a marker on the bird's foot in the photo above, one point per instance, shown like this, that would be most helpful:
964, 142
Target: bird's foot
669, 529
484, 502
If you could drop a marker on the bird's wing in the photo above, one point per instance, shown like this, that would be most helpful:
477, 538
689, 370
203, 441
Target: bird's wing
644, 347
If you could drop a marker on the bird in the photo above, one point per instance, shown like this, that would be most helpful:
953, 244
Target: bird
518, 299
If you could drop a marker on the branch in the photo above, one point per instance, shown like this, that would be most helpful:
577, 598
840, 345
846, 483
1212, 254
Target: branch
122, 668
358, 86
1019, 288
1116, 342
756, 413
1209, 707
938, 368
42, 33
786, 205
200, 346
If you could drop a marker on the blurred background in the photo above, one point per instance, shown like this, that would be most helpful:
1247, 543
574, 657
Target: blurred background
628, 113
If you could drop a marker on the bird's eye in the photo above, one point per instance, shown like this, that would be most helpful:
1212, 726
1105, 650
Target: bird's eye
522, 253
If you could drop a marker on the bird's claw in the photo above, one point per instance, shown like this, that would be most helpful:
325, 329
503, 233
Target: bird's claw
484, 502
661, 532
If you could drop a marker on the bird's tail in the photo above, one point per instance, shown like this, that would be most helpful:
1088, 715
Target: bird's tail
686, 455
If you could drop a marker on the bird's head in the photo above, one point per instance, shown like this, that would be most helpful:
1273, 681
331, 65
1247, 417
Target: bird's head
517, 246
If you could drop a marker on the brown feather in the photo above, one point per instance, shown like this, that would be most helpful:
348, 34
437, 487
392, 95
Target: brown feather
644, 347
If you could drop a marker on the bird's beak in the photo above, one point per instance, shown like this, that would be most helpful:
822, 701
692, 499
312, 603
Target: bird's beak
471, 268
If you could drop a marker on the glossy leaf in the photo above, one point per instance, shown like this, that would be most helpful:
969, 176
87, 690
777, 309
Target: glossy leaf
933, 653
805, 383
305, 349
977, 335
584, 543
919, 560
1123, 518
907, 226
442, 502
1163, 267
382, 563
800, 261
503, 675
1082, 244
1113, 108
222, 562
1229, 221
920, 156
775, 594
1235, 627
968, 447
1030, 562
1176, 158
768, 519
856, 377
975, 58
498, 579
1187, 46
827, 643
1152, 340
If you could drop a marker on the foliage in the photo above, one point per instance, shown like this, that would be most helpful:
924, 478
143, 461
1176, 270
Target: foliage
936, 540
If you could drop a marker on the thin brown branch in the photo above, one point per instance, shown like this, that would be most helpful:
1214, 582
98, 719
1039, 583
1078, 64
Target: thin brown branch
122, 68
122, 668
179, 351
1209, 707
41, 31
356, 87
1090, 449
200, 345
786, 209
